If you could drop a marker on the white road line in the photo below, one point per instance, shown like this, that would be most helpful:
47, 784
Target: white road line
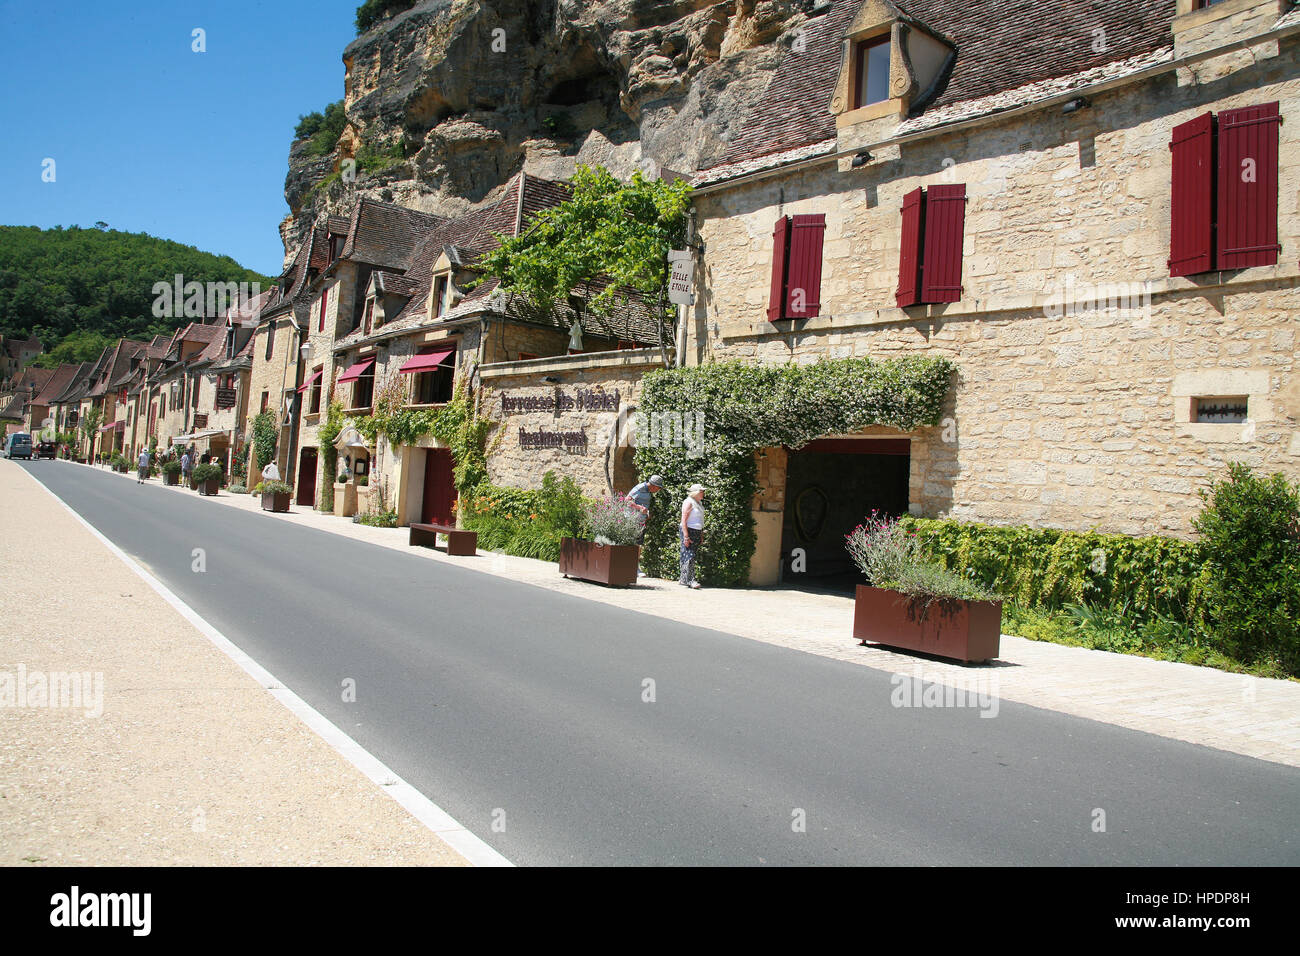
417, 804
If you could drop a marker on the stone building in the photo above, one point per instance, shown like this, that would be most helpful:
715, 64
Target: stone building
438, 321
1079, 202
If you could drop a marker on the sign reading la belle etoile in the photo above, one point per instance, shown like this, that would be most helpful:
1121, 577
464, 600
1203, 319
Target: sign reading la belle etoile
558, 401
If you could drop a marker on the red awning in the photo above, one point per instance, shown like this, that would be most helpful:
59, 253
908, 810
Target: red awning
425, 363
310, 382
354, 372
113, 426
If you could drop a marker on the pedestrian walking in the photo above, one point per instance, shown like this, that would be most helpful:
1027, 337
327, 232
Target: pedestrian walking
187, 464
270, 472
143, 465
692, 529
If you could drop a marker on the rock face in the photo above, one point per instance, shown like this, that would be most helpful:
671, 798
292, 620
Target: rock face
447, 100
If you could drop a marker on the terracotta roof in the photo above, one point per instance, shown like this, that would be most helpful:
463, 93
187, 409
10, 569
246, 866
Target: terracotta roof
76, 386
1001, 47
14, 410
56, 383
382, 234
31, 377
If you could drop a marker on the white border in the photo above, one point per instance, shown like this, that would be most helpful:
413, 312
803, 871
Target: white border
477, 852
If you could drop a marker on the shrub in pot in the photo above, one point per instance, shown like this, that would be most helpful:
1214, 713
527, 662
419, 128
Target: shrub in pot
171, 470
207, 478
611, 554
915, 604
275, 495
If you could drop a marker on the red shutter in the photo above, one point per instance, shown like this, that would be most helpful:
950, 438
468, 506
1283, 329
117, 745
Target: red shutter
945, 227
324, 298
780, 254
1191, 208
909, 256
1248, 186
804, 286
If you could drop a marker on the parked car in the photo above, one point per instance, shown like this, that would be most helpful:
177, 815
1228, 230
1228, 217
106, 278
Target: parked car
47, 449
19, 445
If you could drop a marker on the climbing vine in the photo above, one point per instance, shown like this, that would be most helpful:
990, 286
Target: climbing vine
745, 407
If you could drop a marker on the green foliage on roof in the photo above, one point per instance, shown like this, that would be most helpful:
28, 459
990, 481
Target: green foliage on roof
87, 287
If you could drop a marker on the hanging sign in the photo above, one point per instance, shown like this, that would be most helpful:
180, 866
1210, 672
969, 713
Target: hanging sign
680, 289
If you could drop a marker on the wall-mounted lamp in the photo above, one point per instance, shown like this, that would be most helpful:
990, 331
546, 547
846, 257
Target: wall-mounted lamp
305, 351
1076, 104
861, 159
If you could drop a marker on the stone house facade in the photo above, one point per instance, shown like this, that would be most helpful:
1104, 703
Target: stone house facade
1027, 213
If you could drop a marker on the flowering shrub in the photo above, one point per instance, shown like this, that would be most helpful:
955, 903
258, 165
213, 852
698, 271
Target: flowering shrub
889, 556
613, 520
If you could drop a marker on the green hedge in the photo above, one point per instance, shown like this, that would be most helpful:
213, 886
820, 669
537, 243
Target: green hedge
1052, 569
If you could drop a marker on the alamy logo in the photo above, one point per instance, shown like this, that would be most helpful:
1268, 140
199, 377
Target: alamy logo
75, 908
73, 689
931, 690
1073, 297
199, 300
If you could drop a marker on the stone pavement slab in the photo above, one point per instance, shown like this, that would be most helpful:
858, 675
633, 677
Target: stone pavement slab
1254, 716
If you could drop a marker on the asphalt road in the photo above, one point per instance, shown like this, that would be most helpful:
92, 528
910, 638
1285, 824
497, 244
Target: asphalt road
512, 704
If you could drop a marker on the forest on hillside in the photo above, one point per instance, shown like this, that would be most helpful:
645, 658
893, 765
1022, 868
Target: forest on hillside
80, 288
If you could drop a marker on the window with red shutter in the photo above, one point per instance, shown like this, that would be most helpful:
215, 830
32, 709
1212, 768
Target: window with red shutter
804, 274
1191, 210
909, 256
324, 298
1247, 201
780, 258
943, 226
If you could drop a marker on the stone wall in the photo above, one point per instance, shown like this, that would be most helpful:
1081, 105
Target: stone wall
1063, 414
583, 449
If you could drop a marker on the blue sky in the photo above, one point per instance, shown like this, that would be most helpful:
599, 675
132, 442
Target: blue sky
148, 135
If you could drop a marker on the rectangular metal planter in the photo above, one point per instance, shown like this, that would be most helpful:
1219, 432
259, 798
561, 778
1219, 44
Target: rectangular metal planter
969, 631
276, 502
209, 487
171, 479
612, 564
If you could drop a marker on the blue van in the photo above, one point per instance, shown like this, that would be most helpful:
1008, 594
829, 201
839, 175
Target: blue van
19, 445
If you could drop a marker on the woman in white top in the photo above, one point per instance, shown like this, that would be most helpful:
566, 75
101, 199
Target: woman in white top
692, 528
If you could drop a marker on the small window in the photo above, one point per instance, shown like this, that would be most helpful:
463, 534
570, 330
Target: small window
270, 341
1221, 411
363, 389
439, 296
266, 400
316, 390
871, 72
370, 314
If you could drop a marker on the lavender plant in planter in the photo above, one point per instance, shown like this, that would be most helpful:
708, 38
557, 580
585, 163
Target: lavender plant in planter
916, 605
611, 554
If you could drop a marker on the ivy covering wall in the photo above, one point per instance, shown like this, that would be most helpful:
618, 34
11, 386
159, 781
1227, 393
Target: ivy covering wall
747, 407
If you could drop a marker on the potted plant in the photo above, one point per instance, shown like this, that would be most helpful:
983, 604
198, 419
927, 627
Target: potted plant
275, 495
171, 470
207, 478
611, 555
914, 604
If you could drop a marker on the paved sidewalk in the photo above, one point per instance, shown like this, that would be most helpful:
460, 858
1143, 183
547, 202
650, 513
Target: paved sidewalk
190, 762
1258, 717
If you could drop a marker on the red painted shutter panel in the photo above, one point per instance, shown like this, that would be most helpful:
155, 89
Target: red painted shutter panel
804, 285
945, 229
1191, 208
909, 256
1248, 186
324, 298
780, 255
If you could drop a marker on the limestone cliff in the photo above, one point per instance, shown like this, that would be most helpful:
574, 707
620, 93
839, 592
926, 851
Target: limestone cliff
447, 100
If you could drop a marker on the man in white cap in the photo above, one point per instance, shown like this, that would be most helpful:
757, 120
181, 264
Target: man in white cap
692, 528
642, 496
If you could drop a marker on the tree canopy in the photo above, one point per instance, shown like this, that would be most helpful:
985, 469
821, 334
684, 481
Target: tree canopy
89, 286
322, 129
609, 237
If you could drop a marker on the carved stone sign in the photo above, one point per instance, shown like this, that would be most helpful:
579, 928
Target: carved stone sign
560, 401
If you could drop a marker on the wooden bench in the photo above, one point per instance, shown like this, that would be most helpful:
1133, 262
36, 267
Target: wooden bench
459, 541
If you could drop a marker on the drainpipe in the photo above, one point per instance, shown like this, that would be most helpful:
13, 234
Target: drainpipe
295, 417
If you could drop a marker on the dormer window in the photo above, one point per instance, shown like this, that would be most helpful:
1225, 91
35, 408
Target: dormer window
439, 303
871, 72
368, 318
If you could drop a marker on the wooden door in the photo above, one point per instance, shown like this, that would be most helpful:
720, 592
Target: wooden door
439, 489
307, 477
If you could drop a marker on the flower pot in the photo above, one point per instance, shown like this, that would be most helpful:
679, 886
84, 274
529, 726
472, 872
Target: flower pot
209, 487
276, 502
967, 631
171, 479
613, 564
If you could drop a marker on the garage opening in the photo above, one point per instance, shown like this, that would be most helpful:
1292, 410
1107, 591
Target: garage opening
831, 486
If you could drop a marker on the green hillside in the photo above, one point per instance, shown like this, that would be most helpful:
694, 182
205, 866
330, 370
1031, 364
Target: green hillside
86, 285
